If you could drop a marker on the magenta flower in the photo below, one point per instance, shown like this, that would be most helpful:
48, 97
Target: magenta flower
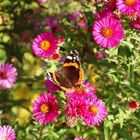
95, 113
51, 87
8, 76
86, 92
44, 45
7, 133
128, 6
108, 32
75, 107
45, 108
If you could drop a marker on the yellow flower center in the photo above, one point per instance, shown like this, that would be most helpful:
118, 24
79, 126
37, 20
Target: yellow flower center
93, 109
130, 2
107, 32
3, 75
44, 108
45, 45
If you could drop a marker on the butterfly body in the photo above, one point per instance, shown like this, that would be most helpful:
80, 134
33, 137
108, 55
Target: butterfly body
70, 75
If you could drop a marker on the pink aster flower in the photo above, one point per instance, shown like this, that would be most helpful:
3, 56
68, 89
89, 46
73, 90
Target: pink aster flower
75, 107
7, 133
51, 87
44, 45
45, 108
108, 32
8, 76
127, 6
86, 91
96, 112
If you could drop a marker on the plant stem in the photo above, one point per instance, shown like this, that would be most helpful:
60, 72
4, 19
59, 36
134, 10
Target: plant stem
40, 132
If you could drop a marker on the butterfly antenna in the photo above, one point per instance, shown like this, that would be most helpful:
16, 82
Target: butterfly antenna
47, 76
75, 52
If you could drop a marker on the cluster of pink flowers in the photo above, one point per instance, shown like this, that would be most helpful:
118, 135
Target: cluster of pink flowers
81, 104
84, 105
108, 30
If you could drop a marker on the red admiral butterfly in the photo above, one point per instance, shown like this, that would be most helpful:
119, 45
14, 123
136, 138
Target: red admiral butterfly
71, 75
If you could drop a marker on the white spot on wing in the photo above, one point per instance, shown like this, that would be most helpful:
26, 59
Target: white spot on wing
69, 57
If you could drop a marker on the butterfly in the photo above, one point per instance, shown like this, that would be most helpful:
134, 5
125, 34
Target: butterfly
70, 75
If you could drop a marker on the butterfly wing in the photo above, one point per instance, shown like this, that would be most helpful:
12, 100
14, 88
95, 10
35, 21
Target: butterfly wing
61, 80
72, 73
72, 68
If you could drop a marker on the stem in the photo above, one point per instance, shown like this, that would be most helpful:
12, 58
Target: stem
105, 132
40, 132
